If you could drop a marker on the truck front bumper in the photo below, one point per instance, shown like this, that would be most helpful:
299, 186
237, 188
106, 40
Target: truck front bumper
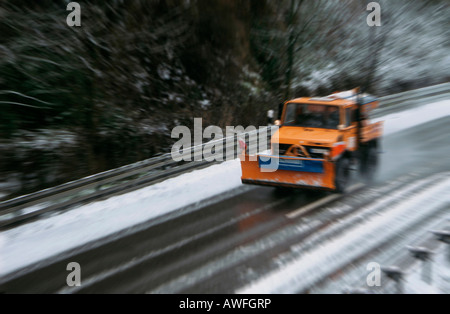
288, 172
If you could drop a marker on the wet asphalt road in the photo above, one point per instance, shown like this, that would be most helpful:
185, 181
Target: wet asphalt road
199, 252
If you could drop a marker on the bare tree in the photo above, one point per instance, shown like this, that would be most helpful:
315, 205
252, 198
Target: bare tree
301, 30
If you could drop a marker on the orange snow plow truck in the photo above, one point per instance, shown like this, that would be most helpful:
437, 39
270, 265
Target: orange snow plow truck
318, 144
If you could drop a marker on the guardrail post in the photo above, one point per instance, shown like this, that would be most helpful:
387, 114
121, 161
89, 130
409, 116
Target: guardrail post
444, 236
424, 255
396, 274
444, 271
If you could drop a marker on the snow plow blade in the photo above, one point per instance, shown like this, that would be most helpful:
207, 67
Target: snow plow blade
290, 172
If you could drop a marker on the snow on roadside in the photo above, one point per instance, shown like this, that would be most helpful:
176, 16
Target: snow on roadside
402, 120
33, 242
415, 285
30, 243
2, 246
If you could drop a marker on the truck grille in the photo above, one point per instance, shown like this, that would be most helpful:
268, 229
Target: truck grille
280, 149
315, 152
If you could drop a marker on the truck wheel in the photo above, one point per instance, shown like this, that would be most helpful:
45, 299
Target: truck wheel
342, 174
369, 164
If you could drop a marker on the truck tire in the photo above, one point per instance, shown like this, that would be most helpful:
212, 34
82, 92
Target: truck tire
342, 177
369, 164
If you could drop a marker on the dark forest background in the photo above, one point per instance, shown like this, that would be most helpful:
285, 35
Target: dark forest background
80, 100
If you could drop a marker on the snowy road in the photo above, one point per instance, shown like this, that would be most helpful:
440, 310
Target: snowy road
218, 244
356, 240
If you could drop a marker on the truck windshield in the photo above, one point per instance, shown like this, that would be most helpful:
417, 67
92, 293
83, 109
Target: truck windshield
312, 116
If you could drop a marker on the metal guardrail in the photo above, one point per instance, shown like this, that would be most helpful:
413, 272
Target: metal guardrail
118, 181
413, 98
131, 177
418, 261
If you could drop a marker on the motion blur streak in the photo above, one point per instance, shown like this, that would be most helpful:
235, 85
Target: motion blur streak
80, 101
